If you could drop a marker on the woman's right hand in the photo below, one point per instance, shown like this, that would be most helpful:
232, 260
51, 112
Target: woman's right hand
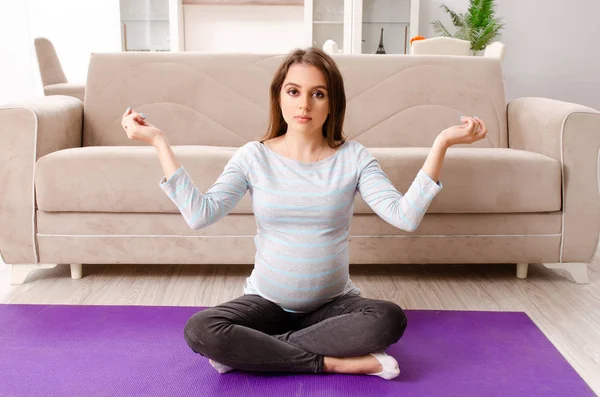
137, 128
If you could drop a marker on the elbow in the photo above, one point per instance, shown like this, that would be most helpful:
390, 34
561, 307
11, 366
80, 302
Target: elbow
196, 225
410, 229
196, 220
404, 225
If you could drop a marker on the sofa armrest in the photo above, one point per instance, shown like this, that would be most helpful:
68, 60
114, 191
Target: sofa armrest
29, 131
76, 90
569, 133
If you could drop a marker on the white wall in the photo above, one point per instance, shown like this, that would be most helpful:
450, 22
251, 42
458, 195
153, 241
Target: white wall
550, 51
551, 48
255, 29
75, 27
16, 53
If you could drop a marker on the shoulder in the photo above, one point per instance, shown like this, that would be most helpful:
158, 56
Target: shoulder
356, 149
244, 155
251, 145
250, 148
354, 145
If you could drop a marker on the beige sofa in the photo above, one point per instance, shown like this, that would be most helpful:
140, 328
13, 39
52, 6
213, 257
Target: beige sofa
77, 191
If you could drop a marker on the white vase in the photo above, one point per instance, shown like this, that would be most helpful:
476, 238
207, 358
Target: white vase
330, 47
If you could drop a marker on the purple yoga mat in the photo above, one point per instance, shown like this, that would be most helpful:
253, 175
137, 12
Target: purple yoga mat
54, 350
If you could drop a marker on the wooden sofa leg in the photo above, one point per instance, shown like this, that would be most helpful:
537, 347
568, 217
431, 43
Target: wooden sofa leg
20, 272
578, 271
76, 271
522, 270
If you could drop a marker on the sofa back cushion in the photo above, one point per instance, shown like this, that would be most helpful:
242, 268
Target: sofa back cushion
223, 99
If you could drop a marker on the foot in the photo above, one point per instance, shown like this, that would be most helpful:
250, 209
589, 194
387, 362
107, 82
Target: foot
379, 364
389, 366
222, 369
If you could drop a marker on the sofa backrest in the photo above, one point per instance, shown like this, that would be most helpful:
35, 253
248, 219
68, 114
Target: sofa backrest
223, 99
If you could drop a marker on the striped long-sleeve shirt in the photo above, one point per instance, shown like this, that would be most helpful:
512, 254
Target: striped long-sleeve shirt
303, 213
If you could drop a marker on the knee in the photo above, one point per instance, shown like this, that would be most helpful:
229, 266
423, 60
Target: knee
393, 321
200, 332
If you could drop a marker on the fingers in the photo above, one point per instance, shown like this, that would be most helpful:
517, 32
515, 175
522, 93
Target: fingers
482, 131
471, 124
481, 124
473, 128
466, 122
125, 117
129, 124
130, 111
130, 114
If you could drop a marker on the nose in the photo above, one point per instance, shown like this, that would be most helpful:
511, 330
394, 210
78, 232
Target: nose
305, 103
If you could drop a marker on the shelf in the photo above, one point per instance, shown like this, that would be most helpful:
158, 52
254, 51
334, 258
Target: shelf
245, 2
328, 22
144, 20
387, 23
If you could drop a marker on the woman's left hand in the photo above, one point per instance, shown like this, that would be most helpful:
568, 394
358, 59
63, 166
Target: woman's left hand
471, 130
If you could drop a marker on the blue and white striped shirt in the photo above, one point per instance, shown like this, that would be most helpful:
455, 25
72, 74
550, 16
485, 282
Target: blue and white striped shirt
303, 213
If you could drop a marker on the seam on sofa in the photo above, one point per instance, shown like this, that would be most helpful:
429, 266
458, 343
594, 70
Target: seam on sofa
252, 236
34, 215
415, 106
436, 65
598, 183
598, 172
562, 189
244, 140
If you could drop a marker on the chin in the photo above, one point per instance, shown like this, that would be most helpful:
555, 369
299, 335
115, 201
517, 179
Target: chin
306, 129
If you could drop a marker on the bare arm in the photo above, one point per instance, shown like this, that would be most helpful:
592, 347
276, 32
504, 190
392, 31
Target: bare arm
138, 128
198, 209
435, 159
472, 130
406, 211
166, 156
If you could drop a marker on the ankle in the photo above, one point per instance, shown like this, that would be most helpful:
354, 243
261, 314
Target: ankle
330, 364
352, 365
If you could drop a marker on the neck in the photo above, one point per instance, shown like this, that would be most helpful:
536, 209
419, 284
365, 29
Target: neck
304, 143
304, 147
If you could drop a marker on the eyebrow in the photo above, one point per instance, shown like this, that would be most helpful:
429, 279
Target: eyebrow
318, 86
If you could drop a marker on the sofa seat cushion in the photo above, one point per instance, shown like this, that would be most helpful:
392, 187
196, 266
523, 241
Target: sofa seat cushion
126, 179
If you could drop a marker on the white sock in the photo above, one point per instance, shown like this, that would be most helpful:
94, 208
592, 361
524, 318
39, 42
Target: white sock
222, 369
389, 364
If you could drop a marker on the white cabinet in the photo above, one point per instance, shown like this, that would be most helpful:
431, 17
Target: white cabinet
151, 25
329, 20
356, 25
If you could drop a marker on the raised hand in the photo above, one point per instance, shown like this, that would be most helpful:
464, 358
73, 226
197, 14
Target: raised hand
138, 128
471, 130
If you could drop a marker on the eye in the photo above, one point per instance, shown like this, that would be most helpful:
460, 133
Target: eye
293, 91
319, 94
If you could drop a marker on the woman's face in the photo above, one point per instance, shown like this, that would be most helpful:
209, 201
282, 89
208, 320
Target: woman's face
304, 99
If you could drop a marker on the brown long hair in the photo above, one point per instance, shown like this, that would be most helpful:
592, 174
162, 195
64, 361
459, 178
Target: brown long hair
332, 128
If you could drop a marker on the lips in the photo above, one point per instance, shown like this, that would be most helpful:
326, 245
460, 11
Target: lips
303, 118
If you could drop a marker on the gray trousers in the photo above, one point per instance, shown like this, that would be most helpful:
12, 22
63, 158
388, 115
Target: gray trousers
254, 334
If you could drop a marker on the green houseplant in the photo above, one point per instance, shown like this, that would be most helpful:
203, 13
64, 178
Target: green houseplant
479, 25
